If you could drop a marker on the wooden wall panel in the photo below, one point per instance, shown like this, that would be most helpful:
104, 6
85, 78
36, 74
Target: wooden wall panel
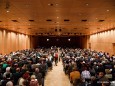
11, 41
0, 41
103, 41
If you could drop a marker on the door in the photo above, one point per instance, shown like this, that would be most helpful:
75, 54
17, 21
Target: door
114, 48
89, 45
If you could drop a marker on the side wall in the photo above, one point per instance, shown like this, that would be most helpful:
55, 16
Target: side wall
104, 41
11, 41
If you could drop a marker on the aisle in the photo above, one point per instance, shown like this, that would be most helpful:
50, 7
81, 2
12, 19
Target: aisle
56, 77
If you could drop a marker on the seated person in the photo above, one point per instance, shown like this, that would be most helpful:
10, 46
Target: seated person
33, 81
85, 74
75, 76
102, 80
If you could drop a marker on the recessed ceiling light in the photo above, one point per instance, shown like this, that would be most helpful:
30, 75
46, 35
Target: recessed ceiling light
57, 17
57, 4
107, 10
7, 11
95, 18
86, 4
50, 4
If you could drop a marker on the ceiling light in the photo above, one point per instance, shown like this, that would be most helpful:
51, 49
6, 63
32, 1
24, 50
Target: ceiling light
107, 10
57, 4
69, 39
47, 39
57, 17
50, 4
86, 4
7, 11
95, 18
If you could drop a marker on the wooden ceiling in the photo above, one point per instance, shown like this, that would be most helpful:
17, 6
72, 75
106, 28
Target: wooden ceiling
57, 17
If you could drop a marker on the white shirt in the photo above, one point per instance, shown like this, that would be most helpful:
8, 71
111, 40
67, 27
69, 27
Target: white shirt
85, 74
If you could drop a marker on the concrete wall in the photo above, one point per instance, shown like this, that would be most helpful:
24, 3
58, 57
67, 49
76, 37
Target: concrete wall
104, 41
11, 41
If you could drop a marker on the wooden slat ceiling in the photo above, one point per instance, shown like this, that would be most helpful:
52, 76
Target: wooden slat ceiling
57, 17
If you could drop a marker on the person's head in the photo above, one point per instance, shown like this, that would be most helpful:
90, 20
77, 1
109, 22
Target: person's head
24, 66
33, 77
9, 83
85, 68
17, 69
101, 74
37, 70
75, 69
93, 78
7, 75
26, 75
8, 69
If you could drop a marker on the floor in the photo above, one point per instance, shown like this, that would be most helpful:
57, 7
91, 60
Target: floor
57, 77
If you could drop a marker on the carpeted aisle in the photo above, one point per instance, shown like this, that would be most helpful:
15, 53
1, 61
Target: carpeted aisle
56, 77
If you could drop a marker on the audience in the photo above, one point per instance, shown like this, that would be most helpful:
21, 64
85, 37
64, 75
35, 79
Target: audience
17, 67
83, 66
96, 68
